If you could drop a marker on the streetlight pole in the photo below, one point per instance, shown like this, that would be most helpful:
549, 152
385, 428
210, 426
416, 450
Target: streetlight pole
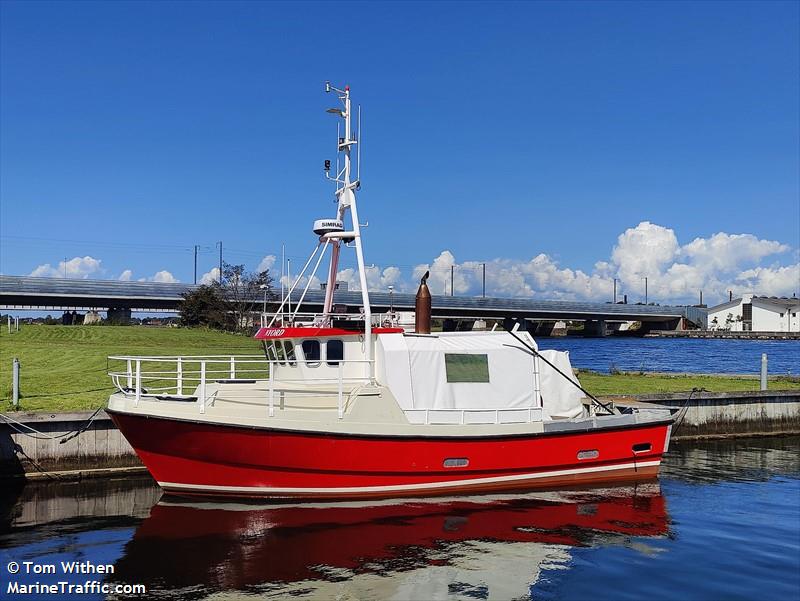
645, 290
220, 261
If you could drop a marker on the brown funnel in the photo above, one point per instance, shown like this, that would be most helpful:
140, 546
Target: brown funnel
422, 317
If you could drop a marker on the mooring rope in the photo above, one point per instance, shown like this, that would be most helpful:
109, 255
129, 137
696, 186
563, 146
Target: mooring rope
565, 376
62, 438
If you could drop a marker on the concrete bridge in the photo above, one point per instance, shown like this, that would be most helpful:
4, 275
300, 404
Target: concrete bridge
121, 298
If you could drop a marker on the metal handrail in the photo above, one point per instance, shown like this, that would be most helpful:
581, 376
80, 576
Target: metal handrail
134, 375
533, 413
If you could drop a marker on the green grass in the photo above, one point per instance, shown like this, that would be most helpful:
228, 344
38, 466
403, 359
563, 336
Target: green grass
636, 383
64, 368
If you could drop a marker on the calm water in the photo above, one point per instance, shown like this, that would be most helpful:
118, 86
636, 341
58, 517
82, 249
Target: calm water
723, 523
678, 354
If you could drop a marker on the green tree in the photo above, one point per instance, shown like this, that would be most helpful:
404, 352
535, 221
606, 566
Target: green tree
229, 304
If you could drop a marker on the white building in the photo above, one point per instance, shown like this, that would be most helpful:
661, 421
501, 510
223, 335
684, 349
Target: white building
757, 314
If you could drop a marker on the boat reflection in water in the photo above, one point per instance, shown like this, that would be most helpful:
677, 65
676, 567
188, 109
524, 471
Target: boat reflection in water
492, 547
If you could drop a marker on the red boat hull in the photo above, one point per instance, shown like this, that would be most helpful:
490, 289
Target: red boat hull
196, 458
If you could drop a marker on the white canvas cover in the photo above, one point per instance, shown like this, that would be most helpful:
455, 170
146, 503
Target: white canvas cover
420, 360
560, 399
414, 368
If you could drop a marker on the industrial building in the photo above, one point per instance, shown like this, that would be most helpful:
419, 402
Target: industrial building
752, 313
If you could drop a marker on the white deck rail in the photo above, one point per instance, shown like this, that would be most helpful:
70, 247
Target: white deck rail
515, 415
167, 377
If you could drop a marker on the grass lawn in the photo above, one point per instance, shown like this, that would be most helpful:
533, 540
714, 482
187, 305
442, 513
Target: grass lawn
64, 367
644, 383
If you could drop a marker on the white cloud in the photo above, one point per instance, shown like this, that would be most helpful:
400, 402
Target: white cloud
644, 249
125, 276
266, 263
210, 277
675, 273
76, 268
727, 252
165, 277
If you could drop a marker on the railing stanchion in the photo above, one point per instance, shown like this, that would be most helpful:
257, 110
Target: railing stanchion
179, 378
130, 375
271, 390
233, 368
341, 405
202, 386
138, 383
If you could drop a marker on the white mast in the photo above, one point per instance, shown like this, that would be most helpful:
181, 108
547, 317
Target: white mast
345, 194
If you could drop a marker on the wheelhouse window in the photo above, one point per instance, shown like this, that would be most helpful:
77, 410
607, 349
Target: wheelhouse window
279, 354
461, 367
289, 349
311, 352
335, 352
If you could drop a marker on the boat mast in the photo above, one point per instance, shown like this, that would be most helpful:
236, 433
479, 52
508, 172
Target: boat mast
346, 197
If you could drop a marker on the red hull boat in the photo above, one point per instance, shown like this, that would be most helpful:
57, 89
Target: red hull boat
188, 457
345, 406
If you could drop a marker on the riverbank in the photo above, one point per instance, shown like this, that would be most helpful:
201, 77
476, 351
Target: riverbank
726, 334
64, 368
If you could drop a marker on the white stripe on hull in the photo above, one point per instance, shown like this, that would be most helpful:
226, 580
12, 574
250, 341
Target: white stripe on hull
266, 490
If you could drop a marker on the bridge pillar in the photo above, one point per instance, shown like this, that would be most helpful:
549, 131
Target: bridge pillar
117, 315
669, 324
594, 328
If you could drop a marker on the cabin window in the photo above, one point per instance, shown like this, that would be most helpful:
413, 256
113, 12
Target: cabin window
289, 347
279, 354
335, 352
461, 367
311, 352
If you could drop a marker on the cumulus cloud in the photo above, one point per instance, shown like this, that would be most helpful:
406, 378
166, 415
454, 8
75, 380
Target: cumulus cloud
675, 273
210, 277
77, 268
125, 276
165, 277
266, 264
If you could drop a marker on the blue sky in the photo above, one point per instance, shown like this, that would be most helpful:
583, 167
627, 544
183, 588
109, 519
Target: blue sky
562, 143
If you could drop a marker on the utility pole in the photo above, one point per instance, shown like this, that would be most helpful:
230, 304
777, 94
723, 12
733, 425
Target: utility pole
220, 261
484, 280
615, 291
452, 277
645, 291
195, 263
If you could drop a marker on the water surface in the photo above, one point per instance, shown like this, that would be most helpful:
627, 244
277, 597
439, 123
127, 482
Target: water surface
723, 522
678, 354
